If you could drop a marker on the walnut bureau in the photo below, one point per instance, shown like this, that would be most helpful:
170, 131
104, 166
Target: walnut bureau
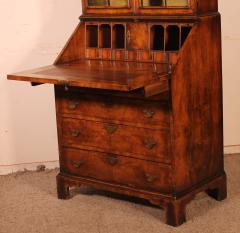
138, 90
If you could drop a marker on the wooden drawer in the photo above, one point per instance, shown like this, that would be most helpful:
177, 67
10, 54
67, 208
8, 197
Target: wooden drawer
117, 169
118, 139
136, 112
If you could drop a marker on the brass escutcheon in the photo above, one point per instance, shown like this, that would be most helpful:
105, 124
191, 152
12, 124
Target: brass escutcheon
151, 178
150, 144
148, 113
111, 128
77, 164
73, 105
113, 160
75, 133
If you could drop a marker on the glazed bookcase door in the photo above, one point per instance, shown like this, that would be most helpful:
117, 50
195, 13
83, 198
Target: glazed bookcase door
172, 7
165, 3
107, 6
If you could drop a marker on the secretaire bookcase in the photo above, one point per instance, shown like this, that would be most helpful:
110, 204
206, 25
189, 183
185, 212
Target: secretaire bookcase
138, 90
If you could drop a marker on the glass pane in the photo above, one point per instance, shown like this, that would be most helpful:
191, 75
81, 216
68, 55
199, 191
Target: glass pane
97, 2
153, 2
107, 2
165, 2
118, 2
177, 2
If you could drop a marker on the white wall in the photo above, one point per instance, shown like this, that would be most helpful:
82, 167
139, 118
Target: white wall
231, 73
32, 34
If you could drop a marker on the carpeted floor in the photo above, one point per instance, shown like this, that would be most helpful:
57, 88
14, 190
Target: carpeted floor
28, 204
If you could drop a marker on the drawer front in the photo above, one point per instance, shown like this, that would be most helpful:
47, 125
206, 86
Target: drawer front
117, 169
130, 111
118, 139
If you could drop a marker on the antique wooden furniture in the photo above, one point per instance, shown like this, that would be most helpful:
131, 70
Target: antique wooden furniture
139, 101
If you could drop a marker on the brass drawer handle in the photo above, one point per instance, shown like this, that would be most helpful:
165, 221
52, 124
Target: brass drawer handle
148, 113
111, 128
112, 160
151, 178
75, 133
149, 144
73, 105
77, 164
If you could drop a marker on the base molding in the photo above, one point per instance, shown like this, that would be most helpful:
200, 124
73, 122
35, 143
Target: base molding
175, 206
232, 149
9, 169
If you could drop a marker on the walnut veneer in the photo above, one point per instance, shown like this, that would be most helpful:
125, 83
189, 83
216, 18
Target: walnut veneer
138, 91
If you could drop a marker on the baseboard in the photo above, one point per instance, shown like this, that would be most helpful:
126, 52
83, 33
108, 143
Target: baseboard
8, 169
232, 149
